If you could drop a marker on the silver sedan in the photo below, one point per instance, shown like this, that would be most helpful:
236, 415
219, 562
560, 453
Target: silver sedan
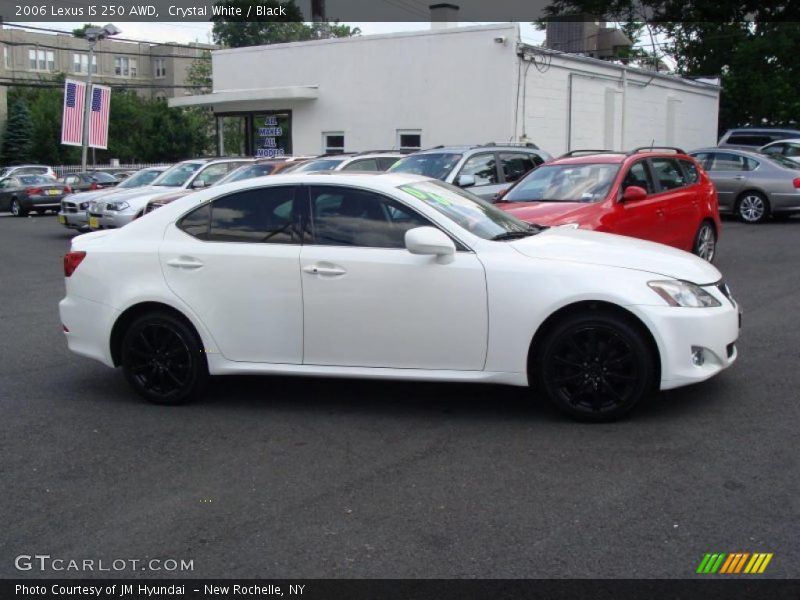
751, 185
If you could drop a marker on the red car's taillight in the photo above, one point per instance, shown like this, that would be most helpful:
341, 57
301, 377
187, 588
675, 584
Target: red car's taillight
796, 182
94, 186
71, 262
33, 191
67, 189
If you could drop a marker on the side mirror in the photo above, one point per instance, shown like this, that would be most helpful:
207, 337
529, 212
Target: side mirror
634, 193
429, 240
498, 197
466, 180
198, 184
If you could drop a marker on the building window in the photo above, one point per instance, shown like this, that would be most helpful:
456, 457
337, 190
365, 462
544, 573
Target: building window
7, 57
409, 140
333, 142
80, 63
159, 68
41, 60
124, 66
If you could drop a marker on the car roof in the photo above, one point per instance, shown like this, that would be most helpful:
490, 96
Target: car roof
761, 130
730, 150
477, 148
794, 140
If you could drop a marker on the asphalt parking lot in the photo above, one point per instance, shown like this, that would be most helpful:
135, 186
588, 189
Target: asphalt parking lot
311, 478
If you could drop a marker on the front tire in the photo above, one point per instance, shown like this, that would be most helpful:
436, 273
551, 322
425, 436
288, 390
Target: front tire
752, 208
594, 366
705, 242
16, 208
163, 359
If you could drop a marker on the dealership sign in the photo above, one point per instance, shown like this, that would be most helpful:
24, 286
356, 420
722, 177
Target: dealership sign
268, 147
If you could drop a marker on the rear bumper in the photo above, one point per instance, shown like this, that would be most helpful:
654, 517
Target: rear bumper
89, 324
40, 202
785, 202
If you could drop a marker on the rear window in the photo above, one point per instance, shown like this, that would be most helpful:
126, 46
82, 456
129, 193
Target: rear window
326, 164
35, 179
103, 177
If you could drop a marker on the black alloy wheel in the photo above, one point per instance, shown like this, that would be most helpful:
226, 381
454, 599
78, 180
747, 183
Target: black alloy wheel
163, 359
595, 366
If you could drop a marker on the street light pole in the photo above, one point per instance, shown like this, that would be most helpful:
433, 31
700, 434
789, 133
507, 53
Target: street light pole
87, 101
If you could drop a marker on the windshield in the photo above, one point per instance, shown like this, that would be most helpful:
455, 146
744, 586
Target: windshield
470, 212
430, 164
143, 177
565, 183
248, 172
178, 175
783, 161
325, 164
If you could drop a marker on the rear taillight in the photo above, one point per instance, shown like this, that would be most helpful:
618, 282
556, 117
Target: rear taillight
33, 191
67, 189
71, 262
796, 182
94, 186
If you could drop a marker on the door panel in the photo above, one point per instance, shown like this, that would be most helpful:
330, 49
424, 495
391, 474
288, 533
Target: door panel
644, 219
679, 203
730, 175
385, 307
244, 288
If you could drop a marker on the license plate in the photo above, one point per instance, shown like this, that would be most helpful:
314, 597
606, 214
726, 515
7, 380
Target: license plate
62, 219
93, 223
52, 192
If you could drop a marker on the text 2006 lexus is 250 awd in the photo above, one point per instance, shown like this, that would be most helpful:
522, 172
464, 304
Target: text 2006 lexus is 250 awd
391, 276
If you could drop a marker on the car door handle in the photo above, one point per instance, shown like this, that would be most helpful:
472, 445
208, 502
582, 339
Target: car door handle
321, 270
739, 177
184, 263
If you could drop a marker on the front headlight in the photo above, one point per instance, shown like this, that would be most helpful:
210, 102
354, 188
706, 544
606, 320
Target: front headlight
683, 293
117, 205
84, 205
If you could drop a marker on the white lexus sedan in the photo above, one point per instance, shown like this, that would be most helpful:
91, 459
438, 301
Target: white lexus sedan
391, 276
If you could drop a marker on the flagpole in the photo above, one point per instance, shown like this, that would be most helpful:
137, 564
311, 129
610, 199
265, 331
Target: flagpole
87, 103
93, 35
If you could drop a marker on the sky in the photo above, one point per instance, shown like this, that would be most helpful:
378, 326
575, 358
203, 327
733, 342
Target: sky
185, 33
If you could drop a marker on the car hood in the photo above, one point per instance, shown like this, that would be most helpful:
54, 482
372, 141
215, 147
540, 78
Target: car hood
549, 213
609, 250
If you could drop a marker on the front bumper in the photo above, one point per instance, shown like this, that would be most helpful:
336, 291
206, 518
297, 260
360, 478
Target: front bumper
681, 331
110, 219
76, 220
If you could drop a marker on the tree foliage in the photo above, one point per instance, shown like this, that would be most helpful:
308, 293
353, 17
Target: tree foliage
140, 129
236, 32
751, 44
17, 142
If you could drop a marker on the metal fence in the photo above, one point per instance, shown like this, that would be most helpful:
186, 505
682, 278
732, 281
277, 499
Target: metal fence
62, 170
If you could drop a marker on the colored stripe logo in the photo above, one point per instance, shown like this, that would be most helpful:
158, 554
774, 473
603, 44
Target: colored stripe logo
734, 563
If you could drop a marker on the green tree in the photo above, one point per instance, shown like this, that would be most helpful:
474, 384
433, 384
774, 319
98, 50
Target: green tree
236, 32
17, 139
752, 45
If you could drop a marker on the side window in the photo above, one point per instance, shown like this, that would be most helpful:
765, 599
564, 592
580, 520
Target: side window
692, 176
702, 158
637, 175
792, 150
775, 149
342, 216
213, 173
668, 174
749, 140
365, 164
481, 166
722, 161
386, 163
515, 165
257, 216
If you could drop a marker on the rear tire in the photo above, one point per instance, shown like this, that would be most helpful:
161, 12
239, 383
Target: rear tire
163, 359
594, 366
752, 208
705, 242
17, 209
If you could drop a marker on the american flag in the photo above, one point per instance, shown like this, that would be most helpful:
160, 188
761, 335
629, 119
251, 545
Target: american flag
72, 120
98, 116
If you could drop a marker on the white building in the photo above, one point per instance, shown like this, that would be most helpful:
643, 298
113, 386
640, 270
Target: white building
446, 86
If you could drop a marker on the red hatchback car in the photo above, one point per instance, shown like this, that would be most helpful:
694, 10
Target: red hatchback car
656, 194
